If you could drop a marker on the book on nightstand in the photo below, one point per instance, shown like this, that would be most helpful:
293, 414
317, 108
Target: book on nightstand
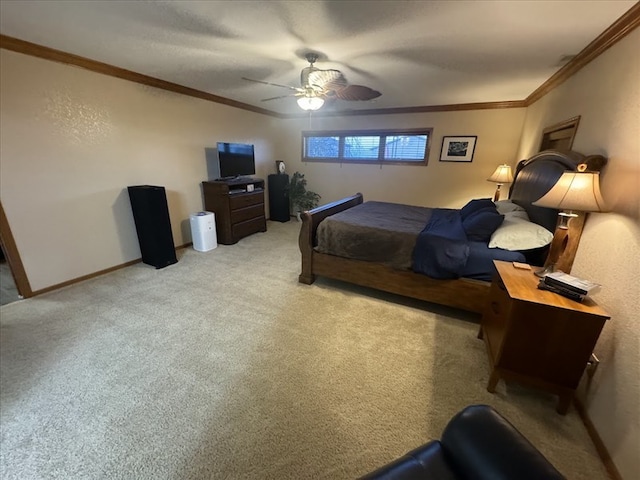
578, 297
569, 282
567, 285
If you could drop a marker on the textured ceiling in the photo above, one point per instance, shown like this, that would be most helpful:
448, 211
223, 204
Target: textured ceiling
416, 53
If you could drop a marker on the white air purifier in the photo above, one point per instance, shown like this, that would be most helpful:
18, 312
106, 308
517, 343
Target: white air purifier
203, 231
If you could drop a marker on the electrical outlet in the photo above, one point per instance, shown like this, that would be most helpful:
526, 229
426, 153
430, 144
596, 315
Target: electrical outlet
592, 365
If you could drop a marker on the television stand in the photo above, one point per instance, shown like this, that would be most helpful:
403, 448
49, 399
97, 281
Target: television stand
238, 205
239, 178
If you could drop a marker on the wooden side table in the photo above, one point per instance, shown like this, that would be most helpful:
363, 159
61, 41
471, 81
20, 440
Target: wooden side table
537, 337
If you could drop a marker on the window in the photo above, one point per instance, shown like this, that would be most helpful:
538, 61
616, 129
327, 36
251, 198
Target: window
393, 147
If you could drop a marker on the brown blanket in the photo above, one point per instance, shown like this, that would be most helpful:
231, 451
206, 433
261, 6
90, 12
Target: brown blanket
375, 232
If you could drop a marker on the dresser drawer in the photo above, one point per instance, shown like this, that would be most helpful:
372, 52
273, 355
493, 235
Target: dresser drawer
241, 200
248, 227
247, 213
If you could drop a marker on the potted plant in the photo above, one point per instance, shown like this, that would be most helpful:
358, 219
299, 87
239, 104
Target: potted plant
301, 199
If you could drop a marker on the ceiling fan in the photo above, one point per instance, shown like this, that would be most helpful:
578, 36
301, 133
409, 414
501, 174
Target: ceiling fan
319, 85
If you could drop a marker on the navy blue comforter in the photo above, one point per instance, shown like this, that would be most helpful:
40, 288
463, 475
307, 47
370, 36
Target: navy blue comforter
444, 251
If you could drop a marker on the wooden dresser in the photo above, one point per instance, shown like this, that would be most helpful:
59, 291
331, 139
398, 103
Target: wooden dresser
537, 337
238, 205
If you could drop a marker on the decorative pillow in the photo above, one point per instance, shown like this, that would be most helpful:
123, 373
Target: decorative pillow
475, 205
506, 206
481, 224
516, 234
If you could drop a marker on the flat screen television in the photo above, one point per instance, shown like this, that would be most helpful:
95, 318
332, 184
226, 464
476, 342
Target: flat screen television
236, 160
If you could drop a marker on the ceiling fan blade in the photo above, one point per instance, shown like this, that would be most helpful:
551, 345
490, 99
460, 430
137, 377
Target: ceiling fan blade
329, 102
325, 79
356, 92
273, 84
280, 96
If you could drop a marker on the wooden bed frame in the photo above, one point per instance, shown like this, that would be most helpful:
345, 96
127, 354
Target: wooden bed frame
534, 177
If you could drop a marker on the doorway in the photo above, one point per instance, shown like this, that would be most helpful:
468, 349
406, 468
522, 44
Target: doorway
560, 136
8, 289
14, 284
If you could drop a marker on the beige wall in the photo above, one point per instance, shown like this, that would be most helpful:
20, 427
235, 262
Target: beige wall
441, 184
606, 93
73, 140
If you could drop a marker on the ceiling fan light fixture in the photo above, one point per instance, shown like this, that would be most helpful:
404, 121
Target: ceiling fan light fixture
317, 85
310, 103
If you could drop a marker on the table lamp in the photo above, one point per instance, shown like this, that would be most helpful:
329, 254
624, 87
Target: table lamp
501, 175
574, 191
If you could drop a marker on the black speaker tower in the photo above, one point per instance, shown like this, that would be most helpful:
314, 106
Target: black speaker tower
151, 215
279, 197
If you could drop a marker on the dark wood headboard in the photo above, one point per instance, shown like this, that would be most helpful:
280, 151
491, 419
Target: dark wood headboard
535, 176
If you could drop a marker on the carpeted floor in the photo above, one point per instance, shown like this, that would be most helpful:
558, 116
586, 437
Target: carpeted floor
223, 366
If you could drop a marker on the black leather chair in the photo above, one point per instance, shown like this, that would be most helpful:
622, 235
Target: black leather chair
477, 444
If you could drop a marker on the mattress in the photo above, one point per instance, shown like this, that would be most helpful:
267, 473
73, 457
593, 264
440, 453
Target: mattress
386, 233
378, 232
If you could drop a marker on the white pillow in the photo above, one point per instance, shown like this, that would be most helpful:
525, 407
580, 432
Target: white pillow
506, 206
517, 234
517, 215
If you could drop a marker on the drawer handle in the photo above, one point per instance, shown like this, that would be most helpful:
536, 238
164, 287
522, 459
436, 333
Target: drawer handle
495, 307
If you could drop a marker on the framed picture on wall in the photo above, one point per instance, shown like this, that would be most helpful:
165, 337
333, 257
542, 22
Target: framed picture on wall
458, 149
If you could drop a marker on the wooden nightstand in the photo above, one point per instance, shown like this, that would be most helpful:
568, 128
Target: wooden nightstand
536, 337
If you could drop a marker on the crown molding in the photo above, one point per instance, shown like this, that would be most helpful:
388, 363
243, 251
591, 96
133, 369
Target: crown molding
618, 30
612, 35
426, 108
35, 50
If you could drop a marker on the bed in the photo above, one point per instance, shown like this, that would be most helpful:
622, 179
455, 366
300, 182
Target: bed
533, 178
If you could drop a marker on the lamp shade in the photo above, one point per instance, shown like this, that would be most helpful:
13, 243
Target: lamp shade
502, 174
575, 191
310, 103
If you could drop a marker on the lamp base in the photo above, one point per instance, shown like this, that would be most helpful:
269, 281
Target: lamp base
496, 196
545, 270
